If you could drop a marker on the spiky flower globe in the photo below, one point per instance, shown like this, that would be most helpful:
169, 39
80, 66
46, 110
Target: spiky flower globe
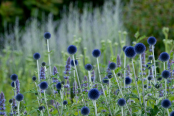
121, 102
72, 49
65, 102
150, 57
109, 75
128, 80
43, 85
72, 62
36, 56
58, 86
96, 53
124, 47
164, 56
172, 113
88, 67
43, 64
40, 108
34, 78
85, 110
93, 94
149, 77
148, 65
166, 103
12, 84
105, 80
14, 77
19, 97
47, 35
151, 40
112, 66
165, 74
140, 48
130, 52
10, 101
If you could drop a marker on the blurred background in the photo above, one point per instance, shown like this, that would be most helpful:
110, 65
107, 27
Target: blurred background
88, 24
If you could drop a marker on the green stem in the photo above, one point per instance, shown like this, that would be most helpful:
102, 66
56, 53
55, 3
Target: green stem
46, 103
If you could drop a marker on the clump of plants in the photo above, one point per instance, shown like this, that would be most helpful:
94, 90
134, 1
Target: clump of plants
132, 83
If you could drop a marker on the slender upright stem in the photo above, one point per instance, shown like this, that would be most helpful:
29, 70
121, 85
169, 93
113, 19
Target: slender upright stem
124, 69
122, 111
154, 62
136, 82
77, 74
14, 88
94, 103
102, 87
89, 74
39, 93
143, 86
38, 70
165, 88
121, 91
49, 61
18, 108
168, 112
46, 102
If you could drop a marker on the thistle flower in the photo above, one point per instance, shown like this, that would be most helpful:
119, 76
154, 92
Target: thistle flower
88, 67
43, 85
165, 74
72, 49
128, 80
140, 48
109, 75
172, 113
47, 35
93, 76
65, 102
124, 47
19, 97
130, 52
96, 53
2, 104
36, 56
68, 66
85, 110
105, 80
58, 86
10, 101
112, 66
17, 86
121, 102
43, 64
14, 77
149, 77
166, 103
34, 78
150, 57
118, 61
151, 40
42, 73
93, 94
72, 63
164, 56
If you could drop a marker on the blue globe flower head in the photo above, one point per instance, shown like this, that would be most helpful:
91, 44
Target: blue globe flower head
148, 65
140, 48
109, 75
121, 102
43, 85
128, 80
93, 94
10, 101
166, 103
149, 77
40, 108
47, 35
34, 78
150, 57
88, 67
43, 64
85, 110
172, 113
124, 47
164, 56
96, 53
72, 62
105, 80
14, 77
112, 66
72, 49
165, 74
65, 102
151, 40
130, 52
58, 86
19, 97
36, 56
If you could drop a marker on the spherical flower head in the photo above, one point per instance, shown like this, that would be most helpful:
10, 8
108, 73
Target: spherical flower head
148, 65
124, 47
88, 67
166, 103
14, 77
43, 85
109, 75
150, 57
121, 102
140, 48
36, 56
172, 113
34, 78
12, 84
157, 85
58, 86
149, 77
85, 110
47, 35
19, 97
128, 80
93, 94
65, 102
43, 64
105, 80
72, 49
151, 40
40, 108
10, 101
165, 74
112, 66
164, 56
130, 52
72, 62
96, 53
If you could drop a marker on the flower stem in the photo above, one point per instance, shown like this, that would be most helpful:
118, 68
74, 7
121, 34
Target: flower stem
46, 102
18, 108
94, 103
122, 111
